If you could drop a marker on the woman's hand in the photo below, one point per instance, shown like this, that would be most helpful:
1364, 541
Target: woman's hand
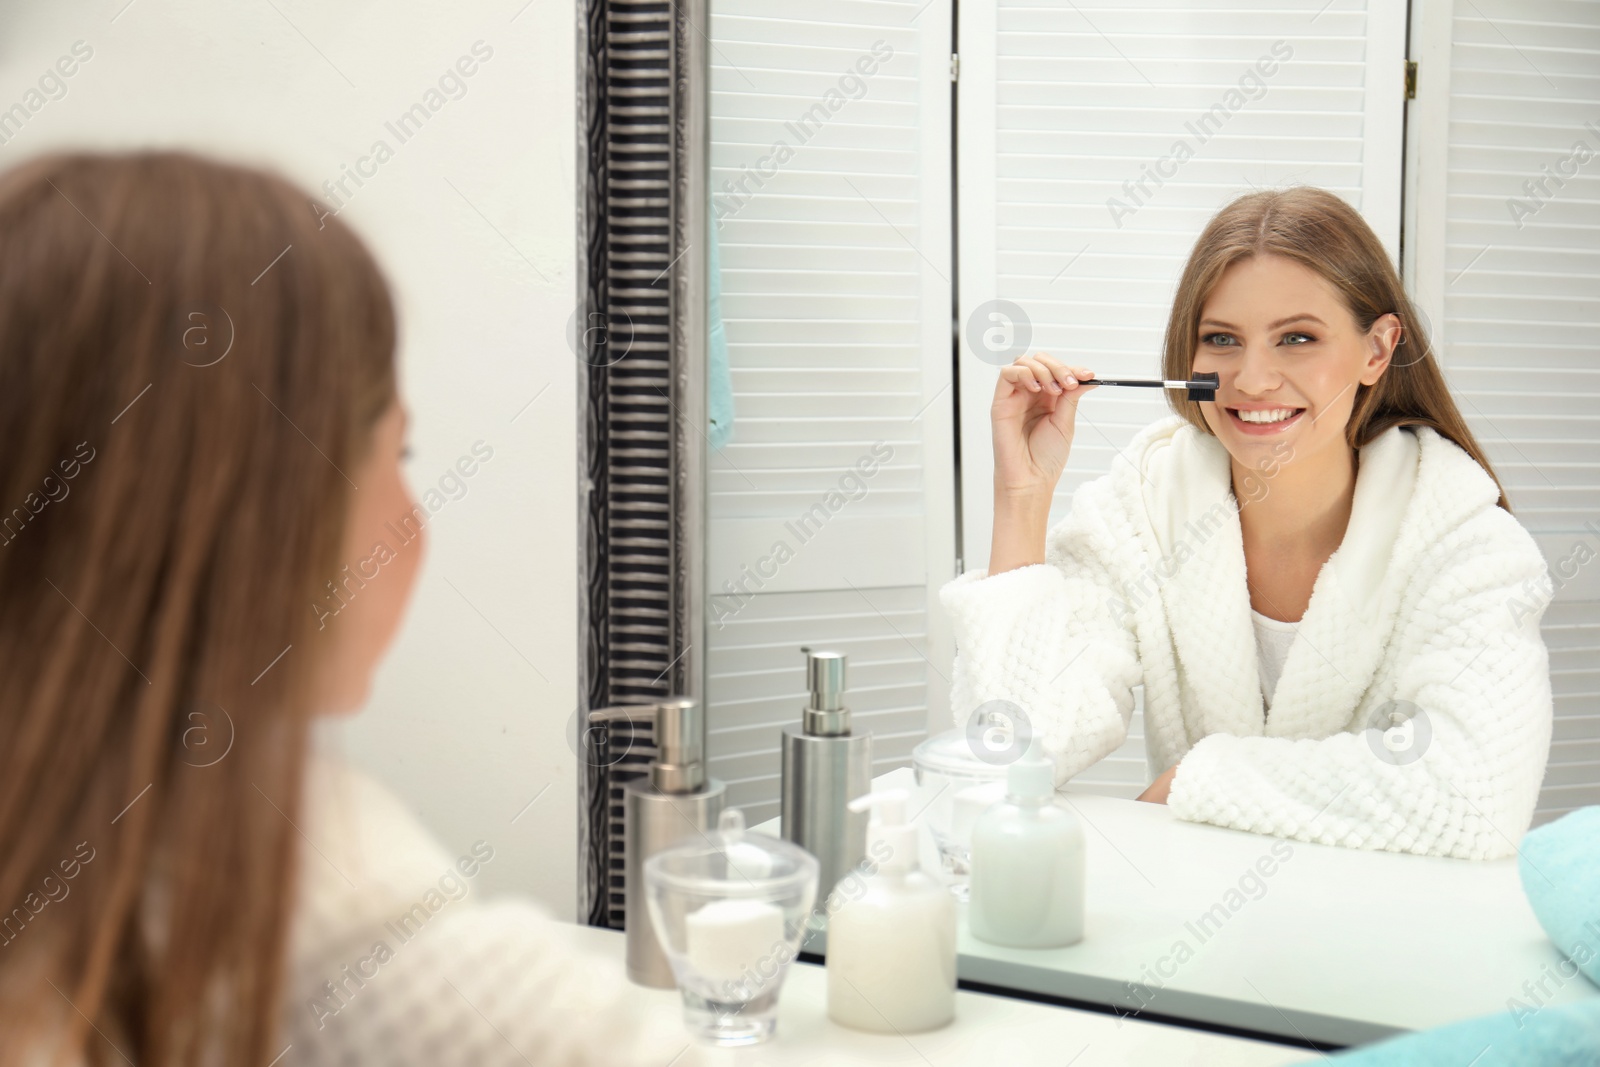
1032, 417
1157, 793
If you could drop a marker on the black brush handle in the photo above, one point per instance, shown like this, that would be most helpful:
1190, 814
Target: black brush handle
1203, 387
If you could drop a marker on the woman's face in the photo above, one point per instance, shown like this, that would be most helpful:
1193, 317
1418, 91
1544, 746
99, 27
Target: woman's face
377, 571
1288, 355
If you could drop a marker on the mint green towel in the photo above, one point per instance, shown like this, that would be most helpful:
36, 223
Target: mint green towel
1560, 868
1567, 1035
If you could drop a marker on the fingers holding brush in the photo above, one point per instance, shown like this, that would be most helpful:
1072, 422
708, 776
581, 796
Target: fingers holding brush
1042, 373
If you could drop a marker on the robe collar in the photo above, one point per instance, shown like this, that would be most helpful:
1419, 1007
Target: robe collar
1411, 484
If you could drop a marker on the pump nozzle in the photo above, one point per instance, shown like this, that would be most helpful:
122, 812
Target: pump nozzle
889, 827
825, 713
1032, 777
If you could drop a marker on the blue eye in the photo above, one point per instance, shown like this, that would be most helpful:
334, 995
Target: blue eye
1220, 340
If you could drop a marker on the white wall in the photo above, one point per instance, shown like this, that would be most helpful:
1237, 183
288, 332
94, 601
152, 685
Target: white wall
468, 718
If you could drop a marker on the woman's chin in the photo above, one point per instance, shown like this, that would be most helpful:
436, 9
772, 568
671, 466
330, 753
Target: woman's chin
346, 702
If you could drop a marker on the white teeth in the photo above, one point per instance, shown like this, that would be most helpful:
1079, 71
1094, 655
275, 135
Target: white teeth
1273, 415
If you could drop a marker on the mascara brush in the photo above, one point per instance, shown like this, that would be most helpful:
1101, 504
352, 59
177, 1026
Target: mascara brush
1203, 387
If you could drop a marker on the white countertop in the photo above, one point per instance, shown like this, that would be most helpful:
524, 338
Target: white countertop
988, 1030
1338, 946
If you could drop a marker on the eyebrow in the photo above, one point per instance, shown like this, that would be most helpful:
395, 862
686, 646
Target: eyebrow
1270, 326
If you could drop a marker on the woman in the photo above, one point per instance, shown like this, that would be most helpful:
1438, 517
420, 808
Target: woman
1316, 576
202, 430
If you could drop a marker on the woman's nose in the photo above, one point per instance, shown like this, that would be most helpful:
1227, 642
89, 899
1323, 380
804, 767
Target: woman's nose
1254, 373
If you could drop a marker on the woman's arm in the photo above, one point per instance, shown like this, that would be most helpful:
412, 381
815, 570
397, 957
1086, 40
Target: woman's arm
1481, 683
1051, 638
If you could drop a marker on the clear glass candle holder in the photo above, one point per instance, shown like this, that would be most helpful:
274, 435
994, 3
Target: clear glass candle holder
729, 910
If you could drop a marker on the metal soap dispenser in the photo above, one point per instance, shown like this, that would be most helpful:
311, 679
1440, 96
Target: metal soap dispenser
675, 802
825, 766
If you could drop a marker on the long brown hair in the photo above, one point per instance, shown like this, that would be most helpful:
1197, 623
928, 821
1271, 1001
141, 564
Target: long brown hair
1317, 229
192, 360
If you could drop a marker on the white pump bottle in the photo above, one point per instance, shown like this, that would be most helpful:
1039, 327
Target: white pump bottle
1028, 864
892, 949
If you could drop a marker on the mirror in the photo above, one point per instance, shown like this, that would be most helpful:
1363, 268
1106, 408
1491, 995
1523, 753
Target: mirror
905, 198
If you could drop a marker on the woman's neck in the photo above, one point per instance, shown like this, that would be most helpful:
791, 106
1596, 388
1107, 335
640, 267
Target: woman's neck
1306, 506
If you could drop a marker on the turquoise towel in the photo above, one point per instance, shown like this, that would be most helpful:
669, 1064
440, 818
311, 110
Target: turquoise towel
1560, 868
719, 379
1563, 1036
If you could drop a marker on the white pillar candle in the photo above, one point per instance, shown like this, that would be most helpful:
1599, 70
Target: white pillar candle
727, 938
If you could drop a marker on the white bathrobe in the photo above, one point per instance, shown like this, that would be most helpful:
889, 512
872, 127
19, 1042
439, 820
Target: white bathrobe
1427, 614
396, 961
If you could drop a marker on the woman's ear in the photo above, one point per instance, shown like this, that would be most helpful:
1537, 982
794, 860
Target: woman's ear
1382, 337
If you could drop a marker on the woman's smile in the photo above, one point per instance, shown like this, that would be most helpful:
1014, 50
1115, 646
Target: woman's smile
1261, 420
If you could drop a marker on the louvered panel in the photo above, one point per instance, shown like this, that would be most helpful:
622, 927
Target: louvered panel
757, 679
1066, 108
835, 307
1521, 308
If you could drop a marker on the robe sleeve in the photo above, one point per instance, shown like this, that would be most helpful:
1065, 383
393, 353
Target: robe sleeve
1055, 639
1461, 777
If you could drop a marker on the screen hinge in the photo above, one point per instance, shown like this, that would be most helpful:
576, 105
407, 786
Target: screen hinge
955, 67
1411, 79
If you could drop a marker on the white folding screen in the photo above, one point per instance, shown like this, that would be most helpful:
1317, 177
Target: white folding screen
831, 516
1504, 249
1095, 142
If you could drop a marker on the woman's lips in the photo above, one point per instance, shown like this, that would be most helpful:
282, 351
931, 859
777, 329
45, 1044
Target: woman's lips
1263, 429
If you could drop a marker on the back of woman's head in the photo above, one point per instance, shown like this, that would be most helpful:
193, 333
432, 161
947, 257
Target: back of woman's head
191, 362
1323, 233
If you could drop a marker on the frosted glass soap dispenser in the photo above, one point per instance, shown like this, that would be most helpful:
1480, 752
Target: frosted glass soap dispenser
1028, 864
892, 949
